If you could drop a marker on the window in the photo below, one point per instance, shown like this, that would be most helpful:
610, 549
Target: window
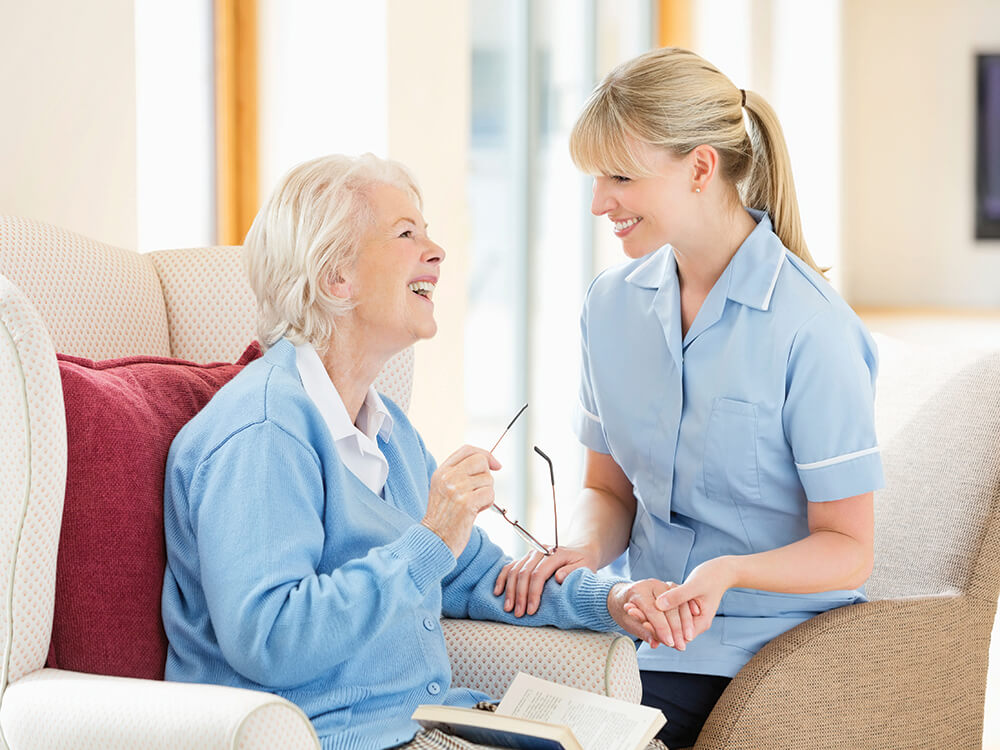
533, 241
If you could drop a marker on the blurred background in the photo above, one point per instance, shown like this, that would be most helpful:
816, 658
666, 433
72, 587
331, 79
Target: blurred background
152, 124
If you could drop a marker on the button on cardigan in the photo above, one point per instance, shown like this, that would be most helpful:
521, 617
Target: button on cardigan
286, 573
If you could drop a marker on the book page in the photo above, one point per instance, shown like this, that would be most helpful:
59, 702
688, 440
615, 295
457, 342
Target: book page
494, 730
599, 722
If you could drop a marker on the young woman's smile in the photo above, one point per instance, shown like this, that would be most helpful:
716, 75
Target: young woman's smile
646, 212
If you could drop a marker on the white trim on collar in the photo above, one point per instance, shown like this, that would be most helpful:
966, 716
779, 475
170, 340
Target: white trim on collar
650, 272
774, 282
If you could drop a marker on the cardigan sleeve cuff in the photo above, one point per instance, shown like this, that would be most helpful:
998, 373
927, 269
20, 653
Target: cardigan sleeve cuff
593, 600
428, 558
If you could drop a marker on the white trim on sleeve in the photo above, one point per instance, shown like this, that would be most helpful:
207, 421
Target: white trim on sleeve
838, 459
587, 414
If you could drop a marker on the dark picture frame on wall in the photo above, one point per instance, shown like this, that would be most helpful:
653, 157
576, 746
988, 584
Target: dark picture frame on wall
988, 146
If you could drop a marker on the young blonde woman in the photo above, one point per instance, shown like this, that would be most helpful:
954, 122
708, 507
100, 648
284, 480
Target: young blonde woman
726, 399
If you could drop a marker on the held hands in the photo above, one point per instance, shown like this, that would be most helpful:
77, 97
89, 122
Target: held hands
524, 579
668, 613
704, 587
634, 607
461, 488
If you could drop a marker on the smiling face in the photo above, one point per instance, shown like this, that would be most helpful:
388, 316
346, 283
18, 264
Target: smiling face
392, 282
648, 212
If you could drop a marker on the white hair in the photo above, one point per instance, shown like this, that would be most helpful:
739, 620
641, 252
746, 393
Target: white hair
308, 233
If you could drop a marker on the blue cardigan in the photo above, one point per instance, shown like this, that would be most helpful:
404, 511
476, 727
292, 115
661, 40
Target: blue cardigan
285, 573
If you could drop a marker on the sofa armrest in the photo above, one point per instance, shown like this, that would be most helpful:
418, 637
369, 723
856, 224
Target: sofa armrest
32, 481
487, 656
889, 673
55, 708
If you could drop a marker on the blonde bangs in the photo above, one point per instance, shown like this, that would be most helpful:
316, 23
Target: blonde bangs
601, 142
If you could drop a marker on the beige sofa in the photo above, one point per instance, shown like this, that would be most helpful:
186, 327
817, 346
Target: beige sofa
906, 670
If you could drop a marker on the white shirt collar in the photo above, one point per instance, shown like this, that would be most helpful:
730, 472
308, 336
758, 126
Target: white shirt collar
373, 419
357, 448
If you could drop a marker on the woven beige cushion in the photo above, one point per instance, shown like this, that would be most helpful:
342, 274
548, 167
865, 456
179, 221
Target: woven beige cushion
603, 663
939, 426
211, 310
97, 301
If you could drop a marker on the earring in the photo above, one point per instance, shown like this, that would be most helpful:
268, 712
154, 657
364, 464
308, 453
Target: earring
697, 189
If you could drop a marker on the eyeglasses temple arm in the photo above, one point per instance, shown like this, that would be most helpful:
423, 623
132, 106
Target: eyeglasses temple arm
552, 476
519, 413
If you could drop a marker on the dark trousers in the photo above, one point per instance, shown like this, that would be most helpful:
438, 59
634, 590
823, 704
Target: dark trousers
685, 699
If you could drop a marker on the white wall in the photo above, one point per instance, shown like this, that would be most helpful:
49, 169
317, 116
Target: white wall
428, 130
909, 153
67, 130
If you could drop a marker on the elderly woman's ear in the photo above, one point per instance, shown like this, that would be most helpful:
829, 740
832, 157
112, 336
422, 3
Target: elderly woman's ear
339, 286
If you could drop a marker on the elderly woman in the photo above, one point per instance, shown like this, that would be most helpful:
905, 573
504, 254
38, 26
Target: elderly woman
312, 541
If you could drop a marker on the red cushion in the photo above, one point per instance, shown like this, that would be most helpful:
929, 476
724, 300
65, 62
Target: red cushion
121, 416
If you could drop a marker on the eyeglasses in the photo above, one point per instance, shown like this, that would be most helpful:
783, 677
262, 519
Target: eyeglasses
526, 535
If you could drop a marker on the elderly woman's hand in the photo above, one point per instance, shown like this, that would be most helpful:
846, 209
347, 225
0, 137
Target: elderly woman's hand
637, 608
461, 488
523, 580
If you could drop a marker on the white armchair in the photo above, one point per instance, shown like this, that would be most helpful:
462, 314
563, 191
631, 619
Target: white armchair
60, 292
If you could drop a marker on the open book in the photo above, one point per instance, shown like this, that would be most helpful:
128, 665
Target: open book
541, 715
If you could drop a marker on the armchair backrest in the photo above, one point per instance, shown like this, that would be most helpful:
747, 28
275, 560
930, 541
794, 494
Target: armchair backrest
95, 300
60, 292
211, 312
938, 518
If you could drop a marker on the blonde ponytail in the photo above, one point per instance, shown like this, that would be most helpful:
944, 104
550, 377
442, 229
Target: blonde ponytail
673, 99
769, 184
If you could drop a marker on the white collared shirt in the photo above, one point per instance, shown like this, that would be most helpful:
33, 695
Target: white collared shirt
356, 443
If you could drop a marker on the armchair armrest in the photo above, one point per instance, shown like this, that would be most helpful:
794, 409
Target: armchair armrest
487, 656
889, 673
55, 708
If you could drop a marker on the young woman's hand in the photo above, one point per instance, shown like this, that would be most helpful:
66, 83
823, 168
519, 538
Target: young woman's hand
704, 588
461, 488
524, 579
633, 606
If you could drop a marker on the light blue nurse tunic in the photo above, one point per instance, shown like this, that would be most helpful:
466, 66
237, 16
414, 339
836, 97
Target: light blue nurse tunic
727, 432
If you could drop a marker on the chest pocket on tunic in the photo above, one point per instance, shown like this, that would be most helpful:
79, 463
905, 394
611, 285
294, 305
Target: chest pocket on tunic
730, 464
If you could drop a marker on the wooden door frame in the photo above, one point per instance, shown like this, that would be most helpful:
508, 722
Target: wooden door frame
236, 118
